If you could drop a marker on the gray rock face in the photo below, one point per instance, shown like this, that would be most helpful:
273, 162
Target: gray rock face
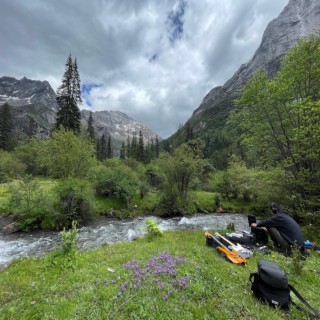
117, 124
34, 103
299, 19
25, 91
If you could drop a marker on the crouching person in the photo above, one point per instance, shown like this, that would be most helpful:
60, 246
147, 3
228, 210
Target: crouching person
283, 230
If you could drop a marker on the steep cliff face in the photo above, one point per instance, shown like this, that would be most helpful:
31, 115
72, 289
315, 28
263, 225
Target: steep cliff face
299, 19
25, 91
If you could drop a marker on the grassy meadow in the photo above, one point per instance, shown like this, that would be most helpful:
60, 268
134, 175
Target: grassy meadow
171, 277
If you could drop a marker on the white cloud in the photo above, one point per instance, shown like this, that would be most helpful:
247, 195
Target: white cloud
124, 46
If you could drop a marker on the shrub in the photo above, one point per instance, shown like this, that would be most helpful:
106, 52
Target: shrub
118, 181
28, 202
10, 167
153, 230
74, 202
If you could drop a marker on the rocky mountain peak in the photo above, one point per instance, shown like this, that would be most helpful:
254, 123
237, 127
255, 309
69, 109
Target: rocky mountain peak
299, 19
26, 91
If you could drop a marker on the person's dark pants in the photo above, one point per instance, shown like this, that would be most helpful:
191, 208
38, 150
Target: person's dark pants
279, 241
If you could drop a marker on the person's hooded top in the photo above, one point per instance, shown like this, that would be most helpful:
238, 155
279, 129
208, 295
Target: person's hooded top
287, 227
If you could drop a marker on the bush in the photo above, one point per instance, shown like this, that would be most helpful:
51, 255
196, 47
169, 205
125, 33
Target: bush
10, 167
28, 202
66, 155
118, 181
74, 202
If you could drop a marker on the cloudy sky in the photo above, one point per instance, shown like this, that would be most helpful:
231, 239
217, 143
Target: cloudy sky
153, 60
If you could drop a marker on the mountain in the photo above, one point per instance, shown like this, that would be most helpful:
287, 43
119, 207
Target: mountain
34, 105
25, 92
299, 19
117, 124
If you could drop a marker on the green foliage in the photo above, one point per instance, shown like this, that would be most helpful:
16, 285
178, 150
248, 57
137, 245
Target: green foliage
6, 127
29, 203
28, 153
280, 119
153, 230
69, 239
68, 98
67, 156
179, 170
297, 260
10, 167
251, 185
74, 202
117, 180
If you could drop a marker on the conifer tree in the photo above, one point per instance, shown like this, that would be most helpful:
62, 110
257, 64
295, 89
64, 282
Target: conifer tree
6, 127
102, 155
90, 128
128, 148
123, 151
109, 153
157, 147
134, 146
141, 148
68, 98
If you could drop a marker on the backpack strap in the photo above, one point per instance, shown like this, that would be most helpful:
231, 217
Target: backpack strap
315, 314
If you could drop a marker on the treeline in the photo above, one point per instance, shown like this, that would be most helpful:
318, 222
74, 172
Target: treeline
274, 145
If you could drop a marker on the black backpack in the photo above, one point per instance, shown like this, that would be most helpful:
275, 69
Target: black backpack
270, 285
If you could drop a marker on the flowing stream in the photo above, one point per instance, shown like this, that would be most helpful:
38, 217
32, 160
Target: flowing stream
108, 230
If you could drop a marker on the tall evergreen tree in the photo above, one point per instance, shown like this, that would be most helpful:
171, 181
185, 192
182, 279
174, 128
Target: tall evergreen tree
134, 146
123, 151
6, 127
128, 148
157, 147
90, 128
102, 155
109, 154
141, 148
68, 98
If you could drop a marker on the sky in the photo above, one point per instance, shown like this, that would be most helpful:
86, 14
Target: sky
154, 60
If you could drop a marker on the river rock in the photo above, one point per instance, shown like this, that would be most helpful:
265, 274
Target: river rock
11, 228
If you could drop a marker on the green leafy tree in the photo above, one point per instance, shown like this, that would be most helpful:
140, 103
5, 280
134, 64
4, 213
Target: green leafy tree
68, 98
280, 118
66, 155
6, 127
179, 169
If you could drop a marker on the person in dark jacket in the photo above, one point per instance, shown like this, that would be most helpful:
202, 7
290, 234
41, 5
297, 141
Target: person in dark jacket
282, 229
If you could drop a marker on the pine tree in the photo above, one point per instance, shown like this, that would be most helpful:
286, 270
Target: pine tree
68, 98
90, 129
134, 146
128, 148
6, 127
109, 154
123, 151
102, 148
141, 148
157, 147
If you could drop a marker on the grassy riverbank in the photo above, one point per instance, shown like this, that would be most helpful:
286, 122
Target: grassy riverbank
100, 284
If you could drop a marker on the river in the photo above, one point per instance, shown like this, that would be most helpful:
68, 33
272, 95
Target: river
108, 230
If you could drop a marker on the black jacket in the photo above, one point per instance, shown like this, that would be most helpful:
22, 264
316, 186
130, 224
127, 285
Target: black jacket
287, 227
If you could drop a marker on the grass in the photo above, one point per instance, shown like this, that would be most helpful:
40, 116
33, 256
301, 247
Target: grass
98, 286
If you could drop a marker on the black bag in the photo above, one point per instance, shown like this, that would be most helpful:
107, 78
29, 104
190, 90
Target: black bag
270, 285
261, 237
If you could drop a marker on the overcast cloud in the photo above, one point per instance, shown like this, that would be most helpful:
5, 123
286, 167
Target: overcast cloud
153, 60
